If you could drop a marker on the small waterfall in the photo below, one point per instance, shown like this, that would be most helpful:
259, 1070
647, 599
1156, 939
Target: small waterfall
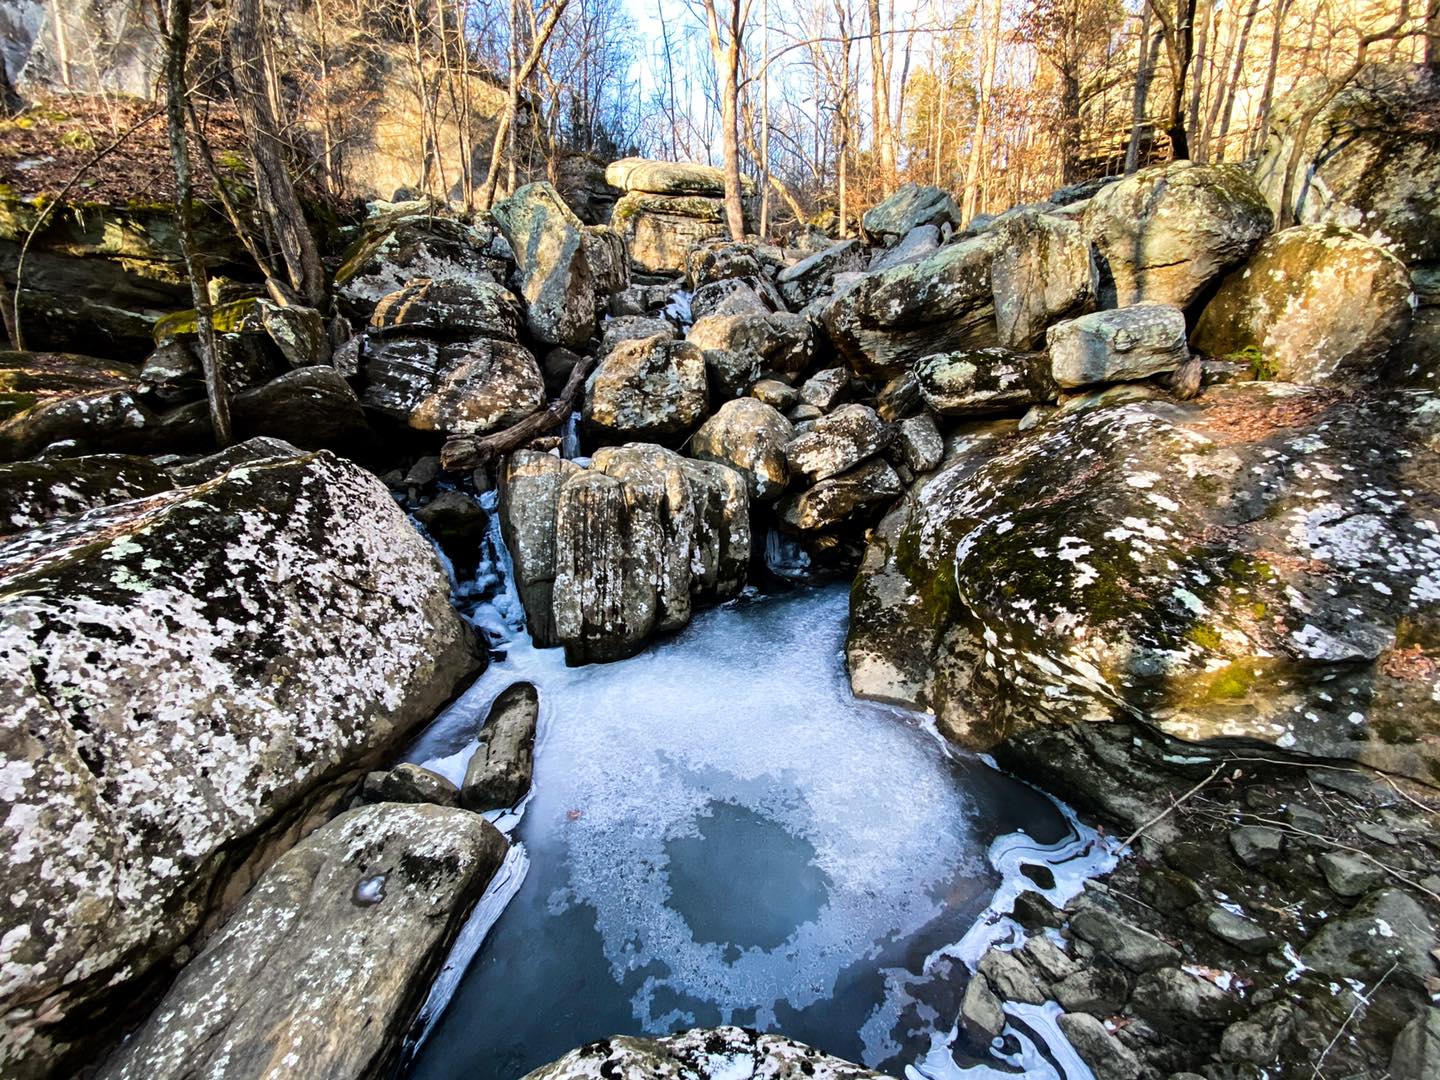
784, 557
678, 309
498, 615
570, 440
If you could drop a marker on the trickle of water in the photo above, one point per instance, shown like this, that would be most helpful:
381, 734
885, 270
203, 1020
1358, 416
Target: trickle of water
784, 557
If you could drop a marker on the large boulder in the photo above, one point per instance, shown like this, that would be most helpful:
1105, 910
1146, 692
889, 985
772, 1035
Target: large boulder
529, 491
415, 242
636, 538
652, 388
1168, 231
32, 492
1363, 166
1119, 345
888, 320
803, 281
448, 310
499, 772
777, 343
983, 382
841, 499
660, 231
192, 679
909, 207
321, 970
669, 177
556, 280
311, 407
1315, 304
1227, 569
750, 436
836, 442
466, 387
1043, 271
702, 1054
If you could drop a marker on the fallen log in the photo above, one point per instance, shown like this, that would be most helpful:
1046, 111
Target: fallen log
462, 452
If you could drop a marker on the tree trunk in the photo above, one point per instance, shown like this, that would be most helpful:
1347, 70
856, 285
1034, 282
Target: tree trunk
274, 190
880, 98
1232, 85
1267, 95
177, 48
1205, 12
1149, 48
1180, 43
990, 34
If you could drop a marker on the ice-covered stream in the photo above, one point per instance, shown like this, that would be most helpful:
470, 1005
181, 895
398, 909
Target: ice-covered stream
719, 832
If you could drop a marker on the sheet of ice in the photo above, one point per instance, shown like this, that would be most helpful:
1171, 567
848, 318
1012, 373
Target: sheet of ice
720, 832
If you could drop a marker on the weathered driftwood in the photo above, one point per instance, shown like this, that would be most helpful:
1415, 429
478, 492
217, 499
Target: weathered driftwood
462, 452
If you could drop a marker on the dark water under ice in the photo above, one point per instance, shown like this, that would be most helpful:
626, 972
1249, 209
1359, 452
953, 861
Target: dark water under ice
720, 832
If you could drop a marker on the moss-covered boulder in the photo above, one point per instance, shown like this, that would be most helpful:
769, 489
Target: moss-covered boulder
1168, 231
670, 177
750, 436
1371, 160
651, 389
888, 320
983, 382
1238, 568
33, 492
1044, 271
909, 207
193, 679
1315, 304
556, 280
28, 379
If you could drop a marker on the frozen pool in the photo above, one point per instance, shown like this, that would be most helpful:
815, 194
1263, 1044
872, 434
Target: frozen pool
719, 832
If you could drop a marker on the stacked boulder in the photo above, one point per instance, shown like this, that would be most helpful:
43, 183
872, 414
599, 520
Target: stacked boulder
668, 208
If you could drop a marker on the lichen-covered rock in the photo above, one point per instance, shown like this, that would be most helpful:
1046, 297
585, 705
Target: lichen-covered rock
633, 328
609, 261
919, 442
1388, 931
498, 775
652, 389
983, 382
720, 260
702, 1054
913, 246
669, 177
556, 280
908, 207
888, 320
449, 311
322, 968
750, 436
396, 248
826, 389
636, 537
32, 492
1238, 567
1043, 271
1119, 345
803, 281
736, 296
191, 676
778, 343
409, 783
108, 421
1364, 166
1319, 303
467, 387
841, 499
660, 231
529, 489
836, 442
1166, 232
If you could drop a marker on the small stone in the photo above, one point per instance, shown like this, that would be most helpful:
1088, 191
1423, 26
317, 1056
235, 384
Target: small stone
1237, 932
1302, 817
1169, 890
1136, 949
981, 1017
1032, 910
1256, 844
498, 775
1346, 781
803, 412
1010, 979
1378, 833
1350, 875
1107, 1056
423, 473
921, 446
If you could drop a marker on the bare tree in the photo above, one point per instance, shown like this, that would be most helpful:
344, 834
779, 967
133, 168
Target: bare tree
726, 32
